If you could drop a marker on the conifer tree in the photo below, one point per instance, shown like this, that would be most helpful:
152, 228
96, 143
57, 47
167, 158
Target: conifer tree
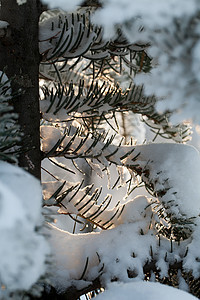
91, 115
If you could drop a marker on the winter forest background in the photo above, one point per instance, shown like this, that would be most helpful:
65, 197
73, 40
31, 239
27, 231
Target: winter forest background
99, 149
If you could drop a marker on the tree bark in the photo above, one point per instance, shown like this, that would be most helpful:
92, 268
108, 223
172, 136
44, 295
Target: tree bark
19, 54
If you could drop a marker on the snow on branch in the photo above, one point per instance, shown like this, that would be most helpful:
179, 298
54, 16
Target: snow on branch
159, 166
73, 35
24, 249
128, 252
100, 101
83, 203
108, 260
174, 47
143, 290
99, 98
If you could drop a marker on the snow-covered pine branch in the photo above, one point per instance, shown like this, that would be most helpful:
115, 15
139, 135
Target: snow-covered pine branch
159, 166
174, 46
24, 249
71, 47
106, 46
101, 101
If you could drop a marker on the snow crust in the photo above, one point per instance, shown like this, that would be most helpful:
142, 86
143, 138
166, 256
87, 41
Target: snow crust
23, 248
142, 291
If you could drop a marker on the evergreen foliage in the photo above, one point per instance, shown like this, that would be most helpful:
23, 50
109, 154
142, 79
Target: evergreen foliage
87, 94
9, 130
88, 75
90, 95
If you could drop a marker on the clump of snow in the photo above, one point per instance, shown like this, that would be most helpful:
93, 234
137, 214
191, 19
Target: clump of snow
143, 290
166, 162
116, 253
23, 249
113, 251
175, 79
136, 210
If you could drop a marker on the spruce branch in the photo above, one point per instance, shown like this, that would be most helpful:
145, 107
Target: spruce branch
99, 100
73, 36
140, 160
10, 135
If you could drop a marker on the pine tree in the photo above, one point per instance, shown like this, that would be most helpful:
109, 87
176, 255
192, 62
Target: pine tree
90, 111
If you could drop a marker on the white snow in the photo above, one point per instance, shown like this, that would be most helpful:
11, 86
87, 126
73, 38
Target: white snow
164, 161
153, 13
176, 76
179, 165
23, 248
112, 249
175, 47
142, 291
174, 167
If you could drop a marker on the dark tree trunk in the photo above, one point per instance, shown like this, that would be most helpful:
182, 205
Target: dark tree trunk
20, 56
